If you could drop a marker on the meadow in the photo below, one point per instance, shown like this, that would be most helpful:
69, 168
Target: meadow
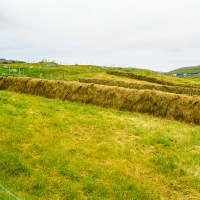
56, 149
52, 149
46, 71
53, 71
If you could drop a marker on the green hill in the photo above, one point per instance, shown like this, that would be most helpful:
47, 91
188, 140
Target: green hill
50, 70
181, 70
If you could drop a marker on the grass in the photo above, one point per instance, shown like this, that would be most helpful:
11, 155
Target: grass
192, 69
149, 73
164, 77
73, 72
59, 72
50, 149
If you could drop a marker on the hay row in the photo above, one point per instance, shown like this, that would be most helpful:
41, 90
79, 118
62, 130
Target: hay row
171, 89
151, 79
160, 104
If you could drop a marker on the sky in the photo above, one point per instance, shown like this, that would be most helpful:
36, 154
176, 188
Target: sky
160, 35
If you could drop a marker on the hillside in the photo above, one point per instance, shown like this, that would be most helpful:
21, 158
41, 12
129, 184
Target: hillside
187, 70
52, 149
53, 71
56, 149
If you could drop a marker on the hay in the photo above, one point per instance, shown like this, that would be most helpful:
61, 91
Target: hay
150, 79
160, 104
170, 89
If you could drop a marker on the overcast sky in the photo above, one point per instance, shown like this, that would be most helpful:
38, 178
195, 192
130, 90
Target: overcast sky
154, 34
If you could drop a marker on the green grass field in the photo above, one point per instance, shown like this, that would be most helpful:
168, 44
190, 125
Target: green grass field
73, 72
51, 149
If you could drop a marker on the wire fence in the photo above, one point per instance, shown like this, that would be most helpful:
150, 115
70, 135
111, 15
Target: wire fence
64, 73
8, 192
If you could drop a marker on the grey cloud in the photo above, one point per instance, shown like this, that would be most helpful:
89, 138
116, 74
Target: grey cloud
154, 34
7, 22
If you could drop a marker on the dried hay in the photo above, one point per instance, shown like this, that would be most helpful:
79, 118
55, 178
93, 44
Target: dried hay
164, 88
151, 79
160, 104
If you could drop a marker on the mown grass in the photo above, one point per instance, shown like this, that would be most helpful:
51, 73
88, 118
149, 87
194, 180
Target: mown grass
149, 73
50, 149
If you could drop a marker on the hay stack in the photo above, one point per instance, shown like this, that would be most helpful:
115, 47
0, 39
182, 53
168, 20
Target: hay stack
151, 79
160, 104
164, 88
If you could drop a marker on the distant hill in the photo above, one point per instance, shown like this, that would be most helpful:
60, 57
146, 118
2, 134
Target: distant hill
5, 61
187, 70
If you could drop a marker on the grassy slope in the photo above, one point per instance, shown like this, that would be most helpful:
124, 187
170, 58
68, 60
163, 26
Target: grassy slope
186, 70
149, 73
73, 72
68, 73
51, 149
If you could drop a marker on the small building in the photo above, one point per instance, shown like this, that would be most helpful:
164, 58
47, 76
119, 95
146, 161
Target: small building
2, 60
180, 75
